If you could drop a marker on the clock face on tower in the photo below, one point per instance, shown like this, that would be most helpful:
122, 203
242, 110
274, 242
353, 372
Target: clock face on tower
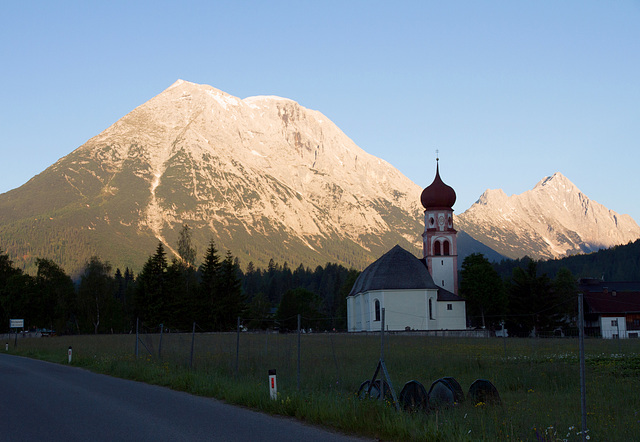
441, 221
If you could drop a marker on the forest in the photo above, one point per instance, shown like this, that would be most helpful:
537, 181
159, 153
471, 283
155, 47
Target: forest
176, 294
526, 294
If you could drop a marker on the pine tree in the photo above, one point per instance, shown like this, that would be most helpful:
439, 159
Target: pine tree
230, 303
150, 288
207, 301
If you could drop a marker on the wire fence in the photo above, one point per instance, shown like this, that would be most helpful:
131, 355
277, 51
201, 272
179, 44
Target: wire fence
328, 360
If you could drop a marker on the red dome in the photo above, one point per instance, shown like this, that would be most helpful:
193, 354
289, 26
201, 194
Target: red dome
438, 194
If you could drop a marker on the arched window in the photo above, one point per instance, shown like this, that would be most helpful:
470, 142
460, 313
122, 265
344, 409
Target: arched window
377, 310
436, 248
446, 248
430, 308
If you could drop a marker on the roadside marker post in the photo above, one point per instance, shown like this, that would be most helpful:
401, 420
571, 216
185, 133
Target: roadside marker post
273, 385
69, 353
6, 347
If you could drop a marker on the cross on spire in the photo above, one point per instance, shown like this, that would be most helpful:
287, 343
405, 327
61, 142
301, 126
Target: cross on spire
437, 155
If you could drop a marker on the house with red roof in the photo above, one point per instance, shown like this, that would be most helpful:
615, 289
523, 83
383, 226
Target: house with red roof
611, 309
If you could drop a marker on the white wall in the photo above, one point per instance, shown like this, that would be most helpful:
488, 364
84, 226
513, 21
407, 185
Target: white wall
454, 319
609, 330
404, 308
442, 268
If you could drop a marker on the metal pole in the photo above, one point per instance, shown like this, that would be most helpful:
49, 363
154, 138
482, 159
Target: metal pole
382, 381
237, 344
160, 343
299, 351
382, 335
504, 341
583, 387
193, 338
137, 337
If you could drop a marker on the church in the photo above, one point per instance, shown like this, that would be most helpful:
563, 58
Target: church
417, 294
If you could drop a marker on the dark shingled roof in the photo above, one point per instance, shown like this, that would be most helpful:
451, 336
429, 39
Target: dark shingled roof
396, 269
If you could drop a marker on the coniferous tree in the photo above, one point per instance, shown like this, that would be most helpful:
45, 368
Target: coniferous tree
206, 306
182, 287
151, 290
230, 300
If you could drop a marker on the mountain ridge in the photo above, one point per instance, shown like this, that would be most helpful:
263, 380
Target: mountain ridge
554, 219
262, 176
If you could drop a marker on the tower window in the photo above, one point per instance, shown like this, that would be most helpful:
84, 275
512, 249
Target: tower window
377, 310
446, 248
449, 306
436, 248
430, 308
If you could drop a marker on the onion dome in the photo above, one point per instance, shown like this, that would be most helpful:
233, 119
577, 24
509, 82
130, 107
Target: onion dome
438, 194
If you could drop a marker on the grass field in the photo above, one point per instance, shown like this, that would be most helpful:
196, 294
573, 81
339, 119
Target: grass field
538, 379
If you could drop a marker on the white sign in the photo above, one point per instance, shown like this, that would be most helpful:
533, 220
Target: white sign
16, 323
273, 386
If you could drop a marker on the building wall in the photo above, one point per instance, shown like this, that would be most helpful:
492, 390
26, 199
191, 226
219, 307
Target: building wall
404, 310
613, 327
454, 319
443, 272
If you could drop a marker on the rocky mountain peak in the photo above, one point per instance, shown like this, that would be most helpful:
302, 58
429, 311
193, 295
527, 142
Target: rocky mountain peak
263, 176
551, 220
267, 179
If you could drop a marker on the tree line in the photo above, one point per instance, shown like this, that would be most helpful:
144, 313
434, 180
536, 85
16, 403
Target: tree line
174, 293
526, 301
526, 294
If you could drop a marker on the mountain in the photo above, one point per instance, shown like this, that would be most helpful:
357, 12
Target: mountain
552, 220
265, 178
262, 176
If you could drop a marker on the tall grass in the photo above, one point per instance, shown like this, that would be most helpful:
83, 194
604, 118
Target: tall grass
538, 379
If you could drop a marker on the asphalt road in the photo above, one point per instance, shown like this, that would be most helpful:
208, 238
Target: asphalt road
41, 401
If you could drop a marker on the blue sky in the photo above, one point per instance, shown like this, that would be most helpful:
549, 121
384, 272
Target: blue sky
508, 91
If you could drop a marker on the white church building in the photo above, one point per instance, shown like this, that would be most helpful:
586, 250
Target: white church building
416, 294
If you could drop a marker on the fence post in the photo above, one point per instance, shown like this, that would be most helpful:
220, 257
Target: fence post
237, 345
298, 351
160, 343
504, 339
193, 337
137, 337
583, 387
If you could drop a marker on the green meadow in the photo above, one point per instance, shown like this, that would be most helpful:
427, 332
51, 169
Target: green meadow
538, 379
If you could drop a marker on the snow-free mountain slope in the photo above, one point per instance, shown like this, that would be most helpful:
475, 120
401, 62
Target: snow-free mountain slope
263, 177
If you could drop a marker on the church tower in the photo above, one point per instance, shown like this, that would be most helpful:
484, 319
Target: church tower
439, 240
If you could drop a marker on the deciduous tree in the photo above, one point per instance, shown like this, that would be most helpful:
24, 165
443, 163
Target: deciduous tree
483, 290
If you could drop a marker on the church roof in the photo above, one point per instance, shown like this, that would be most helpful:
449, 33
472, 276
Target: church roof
396, 269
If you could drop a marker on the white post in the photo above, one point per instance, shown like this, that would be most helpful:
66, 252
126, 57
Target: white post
273, 385
6, 347
69, 353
